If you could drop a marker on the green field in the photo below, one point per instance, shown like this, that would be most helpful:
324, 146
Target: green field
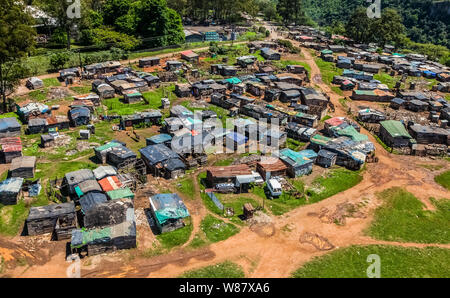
186, 186
117, 107
395, 262
336, 181
217, 230
402, 218
226, 269
328, 70
175, 238
444, 179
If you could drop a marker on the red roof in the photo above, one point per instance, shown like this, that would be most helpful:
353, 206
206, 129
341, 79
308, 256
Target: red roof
335, 121
110, 183
11, 144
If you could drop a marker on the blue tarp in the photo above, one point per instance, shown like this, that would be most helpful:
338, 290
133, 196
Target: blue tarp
7, 124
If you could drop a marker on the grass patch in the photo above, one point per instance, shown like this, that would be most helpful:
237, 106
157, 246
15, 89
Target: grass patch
336, 181
51, 82
186, 186
386, 79
178, 237
81, 89
443, 179
284, 203
328, 70
222, 270
431, 167
337, 90
224, 162
12, 218
38, 95
294, 144
117, 107
217, 230
402, 218
396, 262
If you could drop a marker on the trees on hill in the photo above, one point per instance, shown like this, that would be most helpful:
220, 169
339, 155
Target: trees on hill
16, 40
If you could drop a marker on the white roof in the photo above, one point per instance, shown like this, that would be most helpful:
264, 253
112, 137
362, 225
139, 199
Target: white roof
274, 183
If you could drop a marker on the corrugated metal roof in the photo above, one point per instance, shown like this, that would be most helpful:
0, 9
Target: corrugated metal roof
120, 193
395, 128
11, 185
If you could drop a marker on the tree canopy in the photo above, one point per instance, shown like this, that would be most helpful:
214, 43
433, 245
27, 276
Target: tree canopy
17, 38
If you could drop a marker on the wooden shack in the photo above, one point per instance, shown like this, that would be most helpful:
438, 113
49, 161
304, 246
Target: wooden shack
43, 219
23, 166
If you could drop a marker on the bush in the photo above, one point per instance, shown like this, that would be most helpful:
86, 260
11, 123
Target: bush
58, 60
58, 38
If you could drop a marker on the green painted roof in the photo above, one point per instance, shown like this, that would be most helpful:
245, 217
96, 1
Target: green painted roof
395, 128
319, 139
364, 92
107, 146
351, 132
120, 193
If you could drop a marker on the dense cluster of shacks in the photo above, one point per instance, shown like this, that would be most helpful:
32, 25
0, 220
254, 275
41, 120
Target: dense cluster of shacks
397, 126
267, 105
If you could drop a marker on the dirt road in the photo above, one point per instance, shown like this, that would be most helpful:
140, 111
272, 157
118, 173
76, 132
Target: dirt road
282, 253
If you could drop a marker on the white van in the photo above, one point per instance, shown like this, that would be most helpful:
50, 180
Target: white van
274, 188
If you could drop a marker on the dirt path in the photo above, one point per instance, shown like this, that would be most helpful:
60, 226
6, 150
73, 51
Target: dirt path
282, 253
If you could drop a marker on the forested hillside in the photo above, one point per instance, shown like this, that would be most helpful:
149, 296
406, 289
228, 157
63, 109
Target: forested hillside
426, 21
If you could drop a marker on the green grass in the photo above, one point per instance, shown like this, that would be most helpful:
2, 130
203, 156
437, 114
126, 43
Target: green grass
443, 179
402, 218
336, 181
294, 144
12, 218
51, 82
178, 237
81, 89
53, 170
385, 78
38, 95
328, 70
395, 262
186, 187
226, 269
117, 107
224, 162
237, 201
217, 230
337, 90
284, 203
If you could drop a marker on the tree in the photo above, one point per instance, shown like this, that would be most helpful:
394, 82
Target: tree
360, 27
388, 28
58, 10
149, 19
16, 40
291, 11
